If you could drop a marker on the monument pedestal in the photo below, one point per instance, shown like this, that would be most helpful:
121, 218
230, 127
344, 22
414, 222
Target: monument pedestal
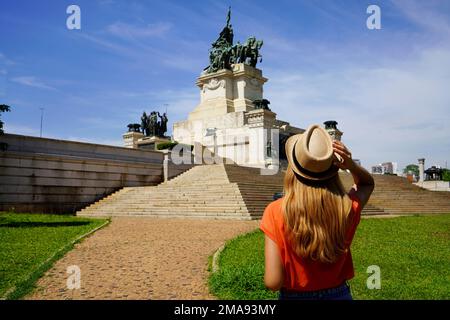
228, 91
226, 121
130, 139
151, 142
137, 140
260, 118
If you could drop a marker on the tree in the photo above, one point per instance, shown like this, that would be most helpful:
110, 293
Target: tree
3, 108
414, 168
446, 174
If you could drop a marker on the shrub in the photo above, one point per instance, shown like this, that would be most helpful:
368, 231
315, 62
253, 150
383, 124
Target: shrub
166, 145
446, 174
170, 145
3, 108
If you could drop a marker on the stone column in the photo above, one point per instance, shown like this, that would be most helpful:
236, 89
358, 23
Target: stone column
421, 169
166, 165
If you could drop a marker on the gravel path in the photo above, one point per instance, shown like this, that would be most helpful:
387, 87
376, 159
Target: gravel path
142, 258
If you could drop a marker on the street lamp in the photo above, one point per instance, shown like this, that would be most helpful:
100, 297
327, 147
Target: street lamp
42, 118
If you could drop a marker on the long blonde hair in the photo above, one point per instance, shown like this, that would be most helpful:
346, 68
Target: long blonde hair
316, 216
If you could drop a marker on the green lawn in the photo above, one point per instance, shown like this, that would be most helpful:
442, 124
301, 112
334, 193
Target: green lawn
413, 254
31, 243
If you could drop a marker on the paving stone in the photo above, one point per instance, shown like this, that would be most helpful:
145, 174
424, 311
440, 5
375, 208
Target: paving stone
143, 258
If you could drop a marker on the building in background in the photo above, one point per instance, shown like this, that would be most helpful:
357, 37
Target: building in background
385, 168
432, 178
377, 169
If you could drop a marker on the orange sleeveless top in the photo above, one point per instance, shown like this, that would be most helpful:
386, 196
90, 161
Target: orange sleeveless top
303, 274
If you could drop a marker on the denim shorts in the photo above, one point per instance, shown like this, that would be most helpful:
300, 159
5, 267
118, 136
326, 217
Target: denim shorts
339, 293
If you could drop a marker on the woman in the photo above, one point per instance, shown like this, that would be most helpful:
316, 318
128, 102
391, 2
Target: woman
309, 231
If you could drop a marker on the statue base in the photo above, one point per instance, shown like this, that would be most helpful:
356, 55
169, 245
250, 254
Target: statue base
151, 142
137, 140
226, 123
228, 91
131, 138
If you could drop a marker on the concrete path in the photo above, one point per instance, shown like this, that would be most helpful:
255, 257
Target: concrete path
142, 258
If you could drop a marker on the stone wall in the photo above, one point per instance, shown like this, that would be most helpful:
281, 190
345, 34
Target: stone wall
57, 176
434, 185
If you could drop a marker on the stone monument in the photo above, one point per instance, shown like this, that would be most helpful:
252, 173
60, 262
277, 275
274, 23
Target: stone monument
233, 120
149, 133
334, 132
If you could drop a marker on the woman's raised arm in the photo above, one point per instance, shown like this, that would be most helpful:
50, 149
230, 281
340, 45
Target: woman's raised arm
364, 183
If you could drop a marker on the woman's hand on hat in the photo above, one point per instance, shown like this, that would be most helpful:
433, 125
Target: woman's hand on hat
343, 157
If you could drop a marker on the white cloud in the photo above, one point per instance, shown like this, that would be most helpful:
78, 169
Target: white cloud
184, 63
128, 31
181, 101
426, 14
395, 113
178, 102
31, 81
113, 47
5, 60
20, 129
109, 123
182, 58
105, 2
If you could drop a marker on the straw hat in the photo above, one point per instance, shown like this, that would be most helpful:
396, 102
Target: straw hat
311, 155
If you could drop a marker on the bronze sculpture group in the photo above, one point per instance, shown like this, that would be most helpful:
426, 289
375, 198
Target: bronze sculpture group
224, 53
261, 104
150, 126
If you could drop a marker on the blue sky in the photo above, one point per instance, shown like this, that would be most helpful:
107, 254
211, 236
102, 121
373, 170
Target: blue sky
387, 88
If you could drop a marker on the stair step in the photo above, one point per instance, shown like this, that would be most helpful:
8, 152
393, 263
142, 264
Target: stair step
235, 192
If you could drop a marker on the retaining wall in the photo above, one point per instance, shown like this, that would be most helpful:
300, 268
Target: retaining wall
58, 176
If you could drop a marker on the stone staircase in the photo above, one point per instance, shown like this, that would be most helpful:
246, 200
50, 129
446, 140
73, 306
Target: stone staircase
233, 192
396, 195
212, 191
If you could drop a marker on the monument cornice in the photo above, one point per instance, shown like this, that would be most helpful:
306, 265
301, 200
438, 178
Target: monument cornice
238, 70
208, 76
242, 69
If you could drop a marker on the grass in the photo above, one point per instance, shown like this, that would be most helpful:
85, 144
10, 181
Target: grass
31, 243
413, 254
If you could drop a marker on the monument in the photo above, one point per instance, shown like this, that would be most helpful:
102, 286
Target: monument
334, 132
233, 120
149, 133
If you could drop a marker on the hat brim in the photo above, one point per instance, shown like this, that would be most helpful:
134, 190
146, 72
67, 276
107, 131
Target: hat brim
298, 169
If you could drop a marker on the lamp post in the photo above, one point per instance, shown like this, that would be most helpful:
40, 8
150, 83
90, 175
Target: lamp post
42, 118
